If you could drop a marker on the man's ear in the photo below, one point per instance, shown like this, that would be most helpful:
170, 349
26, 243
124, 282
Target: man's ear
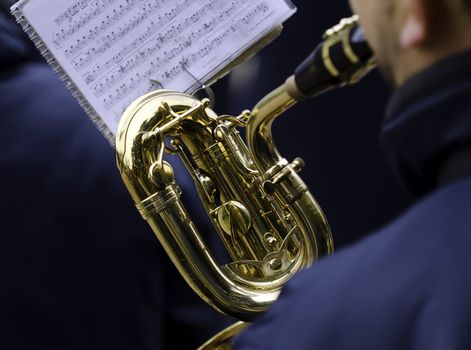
422, 18
414, 28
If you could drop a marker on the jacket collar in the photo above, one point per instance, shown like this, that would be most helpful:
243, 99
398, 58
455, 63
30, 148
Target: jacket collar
428, 123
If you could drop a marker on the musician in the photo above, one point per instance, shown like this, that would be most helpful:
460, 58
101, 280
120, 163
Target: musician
79, 268
407, 286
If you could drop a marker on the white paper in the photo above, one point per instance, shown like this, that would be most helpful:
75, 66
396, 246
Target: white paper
116, 50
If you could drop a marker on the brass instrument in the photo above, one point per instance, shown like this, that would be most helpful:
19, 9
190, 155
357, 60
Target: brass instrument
263, 212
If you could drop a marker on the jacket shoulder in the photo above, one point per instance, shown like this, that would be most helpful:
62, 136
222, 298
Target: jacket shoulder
405, 286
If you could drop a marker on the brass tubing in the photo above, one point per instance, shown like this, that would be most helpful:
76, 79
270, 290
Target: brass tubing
308, 215
258, 133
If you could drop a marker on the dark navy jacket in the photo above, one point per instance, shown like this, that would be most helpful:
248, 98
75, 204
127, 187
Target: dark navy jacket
79, 268
407, 286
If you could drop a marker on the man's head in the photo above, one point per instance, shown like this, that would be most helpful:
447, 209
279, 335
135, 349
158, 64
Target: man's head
410, 35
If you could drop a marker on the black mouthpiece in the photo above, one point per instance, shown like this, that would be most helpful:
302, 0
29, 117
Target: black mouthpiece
343, 58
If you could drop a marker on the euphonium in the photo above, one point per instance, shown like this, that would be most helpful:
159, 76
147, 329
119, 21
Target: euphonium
262, 210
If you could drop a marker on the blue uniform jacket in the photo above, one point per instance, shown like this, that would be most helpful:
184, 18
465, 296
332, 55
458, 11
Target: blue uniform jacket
407, 286
79, 268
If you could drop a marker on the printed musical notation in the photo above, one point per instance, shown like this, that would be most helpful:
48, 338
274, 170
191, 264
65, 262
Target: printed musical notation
116, 50
71, 11
145, 11
233, 28
172, 71
159, 49
107, 41
65, 33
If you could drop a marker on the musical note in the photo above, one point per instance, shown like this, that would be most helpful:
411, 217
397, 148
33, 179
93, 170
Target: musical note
63, 34
71, 11
235, 27
114, 37
116, 14
127, 67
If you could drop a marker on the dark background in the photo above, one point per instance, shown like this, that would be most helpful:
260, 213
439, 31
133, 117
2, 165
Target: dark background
337, 134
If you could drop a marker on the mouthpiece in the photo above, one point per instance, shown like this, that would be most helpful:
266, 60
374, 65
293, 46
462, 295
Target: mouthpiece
343, 58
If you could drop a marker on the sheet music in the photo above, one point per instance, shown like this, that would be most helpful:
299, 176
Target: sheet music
114, 51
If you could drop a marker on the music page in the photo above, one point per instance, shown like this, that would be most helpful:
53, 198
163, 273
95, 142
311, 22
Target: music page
112, 51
